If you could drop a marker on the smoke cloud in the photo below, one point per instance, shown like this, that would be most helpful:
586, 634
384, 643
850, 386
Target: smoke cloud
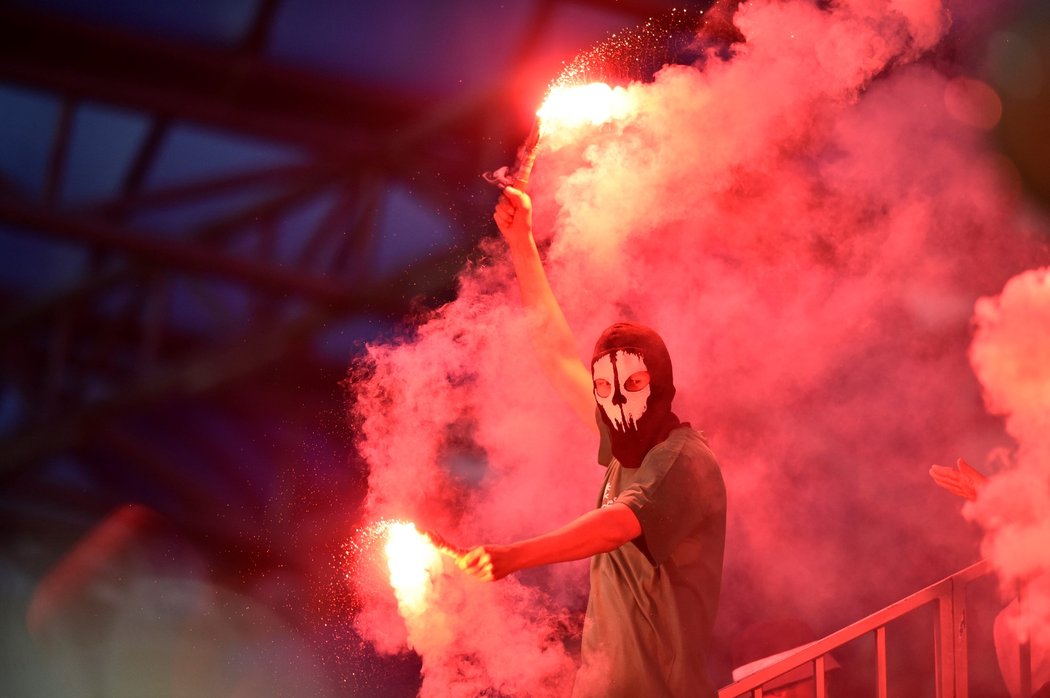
1011, 357
808, 224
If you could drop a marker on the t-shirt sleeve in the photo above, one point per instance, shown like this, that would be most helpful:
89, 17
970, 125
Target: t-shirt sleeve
674, 498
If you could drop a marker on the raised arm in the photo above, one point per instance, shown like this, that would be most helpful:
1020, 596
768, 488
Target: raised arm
552, 338
597, 531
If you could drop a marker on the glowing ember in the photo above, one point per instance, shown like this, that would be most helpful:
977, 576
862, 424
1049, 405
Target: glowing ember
412, 560
572, 106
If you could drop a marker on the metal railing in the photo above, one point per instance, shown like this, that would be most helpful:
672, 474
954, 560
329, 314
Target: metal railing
950, 645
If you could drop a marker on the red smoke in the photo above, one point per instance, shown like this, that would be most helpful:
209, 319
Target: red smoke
1011, 357
808, 225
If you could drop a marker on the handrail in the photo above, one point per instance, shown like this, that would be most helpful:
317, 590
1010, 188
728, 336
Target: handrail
950, 640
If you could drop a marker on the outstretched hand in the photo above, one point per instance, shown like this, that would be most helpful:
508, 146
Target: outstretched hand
513, 216
963, 480
487, 562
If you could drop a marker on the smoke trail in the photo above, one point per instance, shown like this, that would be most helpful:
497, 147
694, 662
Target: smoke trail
1011, 357
808, 226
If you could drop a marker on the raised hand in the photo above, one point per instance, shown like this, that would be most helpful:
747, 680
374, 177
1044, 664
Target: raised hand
963, 480
513, 216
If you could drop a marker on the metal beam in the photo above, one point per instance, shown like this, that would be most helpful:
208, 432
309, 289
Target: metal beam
209, 187
181, 80
154, 249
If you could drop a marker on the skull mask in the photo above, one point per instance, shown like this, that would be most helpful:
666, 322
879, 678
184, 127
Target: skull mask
621, 387
633, 386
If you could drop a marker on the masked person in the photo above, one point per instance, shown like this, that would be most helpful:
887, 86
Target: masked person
657, 535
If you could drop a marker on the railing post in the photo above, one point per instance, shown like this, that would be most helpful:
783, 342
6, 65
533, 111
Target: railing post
1025, 655
960, 658
1024, 648
881, 686
943, 646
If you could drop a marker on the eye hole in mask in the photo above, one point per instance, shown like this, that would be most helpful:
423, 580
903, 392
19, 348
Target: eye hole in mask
635, 382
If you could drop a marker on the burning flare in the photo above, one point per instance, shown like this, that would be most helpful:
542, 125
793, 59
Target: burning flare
567, 107
572, 106
413, 560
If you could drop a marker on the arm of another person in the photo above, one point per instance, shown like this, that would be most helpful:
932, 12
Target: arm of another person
552, 339
597, 531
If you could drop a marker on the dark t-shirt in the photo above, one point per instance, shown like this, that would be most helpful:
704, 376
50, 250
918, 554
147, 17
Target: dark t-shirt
652, 602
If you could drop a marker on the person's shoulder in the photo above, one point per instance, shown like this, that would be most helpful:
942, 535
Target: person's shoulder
688, 443
692, 465
687, 439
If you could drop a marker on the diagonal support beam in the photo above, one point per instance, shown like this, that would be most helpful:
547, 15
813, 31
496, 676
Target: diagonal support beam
187, 257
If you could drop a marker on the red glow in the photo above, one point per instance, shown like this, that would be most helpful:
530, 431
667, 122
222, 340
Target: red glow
809, 242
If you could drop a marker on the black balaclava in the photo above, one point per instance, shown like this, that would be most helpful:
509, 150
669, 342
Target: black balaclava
635, 417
